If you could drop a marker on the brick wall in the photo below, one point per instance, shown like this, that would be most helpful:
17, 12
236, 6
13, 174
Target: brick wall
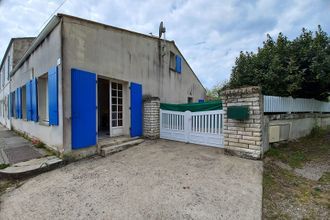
151, 119
244, 138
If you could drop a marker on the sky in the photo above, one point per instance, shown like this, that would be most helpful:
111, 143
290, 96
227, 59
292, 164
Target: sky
209, 33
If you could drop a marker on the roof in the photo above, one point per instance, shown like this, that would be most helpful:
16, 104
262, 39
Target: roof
56, 19
9, 45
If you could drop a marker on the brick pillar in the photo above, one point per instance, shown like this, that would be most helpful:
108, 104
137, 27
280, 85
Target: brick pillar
244, 137
151, 119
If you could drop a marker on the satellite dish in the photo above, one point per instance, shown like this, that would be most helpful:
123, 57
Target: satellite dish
162, 29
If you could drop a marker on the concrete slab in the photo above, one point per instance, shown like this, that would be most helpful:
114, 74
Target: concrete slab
34, 165
15, 141
22, 153
154, 180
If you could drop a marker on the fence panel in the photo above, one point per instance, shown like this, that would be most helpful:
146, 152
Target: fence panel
204, 128
289, 104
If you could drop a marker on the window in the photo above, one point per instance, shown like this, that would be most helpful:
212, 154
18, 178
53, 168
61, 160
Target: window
43, 98
190, 99
3, 78
24, 102
116, 104
8, 63
175, 62
172, 61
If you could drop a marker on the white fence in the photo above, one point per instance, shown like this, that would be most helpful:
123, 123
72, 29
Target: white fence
289, 104
204, 128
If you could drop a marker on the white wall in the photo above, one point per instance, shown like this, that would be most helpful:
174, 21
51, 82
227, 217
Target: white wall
40, 61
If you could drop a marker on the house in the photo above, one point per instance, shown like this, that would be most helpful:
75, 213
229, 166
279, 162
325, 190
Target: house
81, 80
15, 50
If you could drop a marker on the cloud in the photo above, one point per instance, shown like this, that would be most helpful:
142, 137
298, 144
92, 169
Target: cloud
209, 33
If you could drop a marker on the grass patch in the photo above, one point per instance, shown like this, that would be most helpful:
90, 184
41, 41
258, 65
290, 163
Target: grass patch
288, 196
3, 166
315, 146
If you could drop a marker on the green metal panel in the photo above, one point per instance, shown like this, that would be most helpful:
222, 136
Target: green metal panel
193, 107
238, 112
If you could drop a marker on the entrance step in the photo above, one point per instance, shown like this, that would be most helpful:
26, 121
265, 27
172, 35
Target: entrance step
114, 148
106, 142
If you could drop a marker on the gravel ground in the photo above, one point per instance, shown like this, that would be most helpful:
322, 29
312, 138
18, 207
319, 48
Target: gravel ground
155, 180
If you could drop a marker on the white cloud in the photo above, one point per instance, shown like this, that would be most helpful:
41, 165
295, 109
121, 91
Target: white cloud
209, 33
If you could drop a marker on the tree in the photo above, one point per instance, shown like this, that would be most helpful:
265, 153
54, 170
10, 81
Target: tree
298, 68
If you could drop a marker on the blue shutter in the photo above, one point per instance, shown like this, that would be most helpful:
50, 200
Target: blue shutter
34, 100
53, 96
178, 64
16, 104
200, 100
9, 107
28, 101
136, 109
19, 100
83, 108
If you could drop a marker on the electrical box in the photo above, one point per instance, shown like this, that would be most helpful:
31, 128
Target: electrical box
238, 112
280, 132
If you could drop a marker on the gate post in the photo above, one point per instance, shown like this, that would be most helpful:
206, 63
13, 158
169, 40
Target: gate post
187, 124
244, 136
151, 117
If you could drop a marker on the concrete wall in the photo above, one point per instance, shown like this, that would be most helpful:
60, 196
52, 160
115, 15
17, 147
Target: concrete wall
17, 48
301, 124
117, 54
40, 61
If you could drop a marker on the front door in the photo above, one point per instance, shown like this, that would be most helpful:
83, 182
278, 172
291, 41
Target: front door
83, 107
117, 109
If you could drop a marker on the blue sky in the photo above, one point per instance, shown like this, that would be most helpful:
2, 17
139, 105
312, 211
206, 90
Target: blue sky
209, 33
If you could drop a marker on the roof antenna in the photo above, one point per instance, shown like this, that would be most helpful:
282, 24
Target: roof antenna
162, 29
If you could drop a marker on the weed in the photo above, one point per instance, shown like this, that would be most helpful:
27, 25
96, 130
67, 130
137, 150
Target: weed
3, 166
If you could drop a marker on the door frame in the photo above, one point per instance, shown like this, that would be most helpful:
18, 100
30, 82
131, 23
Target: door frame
113, 131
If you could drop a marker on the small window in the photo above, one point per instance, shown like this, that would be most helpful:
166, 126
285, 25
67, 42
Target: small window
43, 98
24, 102
172, 61
190, 100
3, 79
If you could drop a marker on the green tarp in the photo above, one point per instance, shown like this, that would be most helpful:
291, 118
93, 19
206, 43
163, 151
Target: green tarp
193, 107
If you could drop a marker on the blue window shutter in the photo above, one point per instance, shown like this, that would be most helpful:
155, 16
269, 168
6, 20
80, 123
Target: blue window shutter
16, 104
20, 103
178, 64
28, 101
200, 100
34, 100
9, 107
53, 96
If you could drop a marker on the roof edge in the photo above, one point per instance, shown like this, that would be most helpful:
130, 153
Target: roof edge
113, 27
41, 36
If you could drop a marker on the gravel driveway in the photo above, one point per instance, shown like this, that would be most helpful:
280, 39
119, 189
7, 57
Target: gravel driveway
155, 180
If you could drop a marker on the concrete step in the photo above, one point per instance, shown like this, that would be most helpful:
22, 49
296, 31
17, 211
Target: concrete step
107, 150
115, 141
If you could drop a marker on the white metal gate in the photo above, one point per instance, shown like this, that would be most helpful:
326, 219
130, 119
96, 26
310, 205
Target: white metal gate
205, 128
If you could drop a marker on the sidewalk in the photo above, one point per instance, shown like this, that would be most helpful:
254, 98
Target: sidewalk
22, 156
15, 149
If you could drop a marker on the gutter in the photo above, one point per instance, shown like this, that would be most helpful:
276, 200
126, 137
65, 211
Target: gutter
43, 34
